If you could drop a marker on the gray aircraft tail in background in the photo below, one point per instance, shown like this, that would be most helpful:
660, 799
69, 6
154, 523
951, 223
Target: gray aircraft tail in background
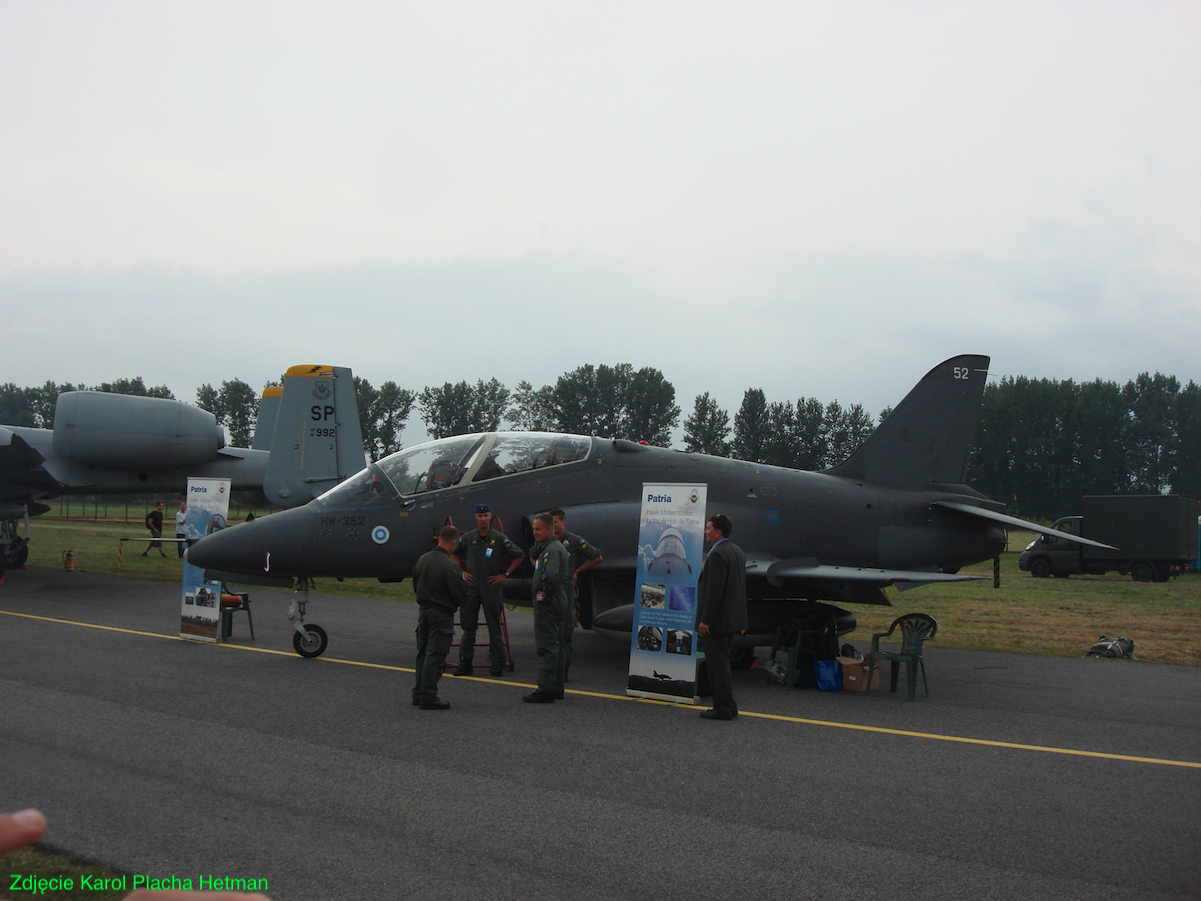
316, 441
307, 438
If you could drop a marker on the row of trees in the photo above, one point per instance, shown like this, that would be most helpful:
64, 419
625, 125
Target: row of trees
807, 435
1040, 446
615, 401
33, 408
1043, 444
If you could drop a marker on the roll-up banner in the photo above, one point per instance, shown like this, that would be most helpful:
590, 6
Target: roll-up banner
200, 606
671, 542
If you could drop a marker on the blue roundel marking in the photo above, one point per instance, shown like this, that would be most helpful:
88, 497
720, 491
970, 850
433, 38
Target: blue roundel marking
380, 534
773, 516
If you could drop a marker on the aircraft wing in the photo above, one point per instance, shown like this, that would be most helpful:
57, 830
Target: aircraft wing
807, 569
1016, 523
21, 472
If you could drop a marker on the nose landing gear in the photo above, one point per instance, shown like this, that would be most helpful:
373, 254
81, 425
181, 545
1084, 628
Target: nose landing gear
309, 640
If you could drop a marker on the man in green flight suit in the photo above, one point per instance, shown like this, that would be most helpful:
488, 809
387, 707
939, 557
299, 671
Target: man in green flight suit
488, 559
552, 573
438, 584
583, 556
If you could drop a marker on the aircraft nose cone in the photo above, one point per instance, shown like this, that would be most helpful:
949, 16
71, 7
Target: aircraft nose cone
271, 545
616, 619
234, 549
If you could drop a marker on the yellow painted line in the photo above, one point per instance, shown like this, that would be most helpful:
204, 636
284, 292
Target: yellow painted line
881, 730
975, 741
71, 622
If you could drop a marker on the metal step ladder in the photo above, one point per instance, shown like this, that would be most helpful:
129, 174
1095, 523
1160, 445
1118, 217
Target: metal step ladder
481, 628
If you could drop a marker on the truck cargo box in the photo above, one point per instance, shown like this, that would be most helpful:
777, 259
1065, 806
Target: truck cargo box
1156, 526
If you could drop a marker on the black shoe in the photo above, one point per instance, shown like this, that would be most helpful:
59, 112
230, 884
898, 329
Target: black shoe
716, 715
145, 553
496, 671
416, 703
559, 695
465, 669
435, 704
539, 697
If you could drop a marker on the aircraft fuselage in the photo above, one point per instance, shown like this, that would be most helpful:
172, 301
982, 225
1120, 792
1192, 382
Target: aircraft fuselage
778, 514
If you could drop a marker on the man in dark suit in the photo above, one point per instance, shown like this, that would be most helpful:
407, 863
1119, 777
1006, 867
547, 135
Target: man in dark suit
721, 611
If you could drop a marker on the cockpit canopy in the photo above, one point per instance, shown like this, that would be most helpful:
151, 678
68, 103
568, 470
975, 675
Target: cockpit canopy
460, 460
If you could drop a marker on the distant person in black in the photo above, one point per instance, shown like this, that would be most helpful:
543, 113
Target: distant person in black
154, 522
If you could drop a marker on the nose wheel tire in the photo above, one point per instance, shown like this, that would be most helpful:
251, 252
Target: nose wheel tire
312, 643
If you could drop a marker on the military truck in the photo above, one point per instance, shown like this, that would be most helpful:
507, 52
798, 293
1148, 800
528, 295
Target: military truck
1155, 536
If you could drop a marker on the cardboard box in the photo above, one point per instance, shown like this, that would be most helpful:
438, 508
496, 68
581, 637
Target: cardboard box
854, 674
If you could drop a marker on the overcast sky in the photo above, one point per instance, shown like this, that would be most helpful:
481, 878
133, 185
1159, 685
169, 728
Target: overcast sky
819, 199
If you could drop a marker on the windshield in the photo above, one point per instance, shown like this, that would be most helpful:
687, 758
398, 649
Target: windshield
427, 467
477, 458
521, 451
363, 489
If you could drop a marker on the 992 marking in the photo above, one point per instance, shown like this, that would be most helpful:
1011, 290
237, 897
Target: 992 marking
322, 433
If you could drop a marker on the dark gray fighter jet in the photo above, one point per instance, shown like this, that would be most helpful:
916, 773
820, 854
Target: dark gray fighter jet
897, 512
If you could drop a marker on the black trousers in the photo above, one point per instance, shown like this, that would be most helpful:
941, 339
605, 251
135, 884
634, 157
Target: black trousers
717, 661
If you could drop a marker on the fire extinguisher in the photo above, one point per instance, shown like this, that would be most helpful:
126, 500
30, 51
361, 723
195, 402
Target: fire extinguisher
69, 561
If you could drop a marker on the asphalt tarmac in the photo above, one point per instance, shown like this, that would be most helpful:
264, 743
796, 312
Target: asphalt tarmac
1019, 776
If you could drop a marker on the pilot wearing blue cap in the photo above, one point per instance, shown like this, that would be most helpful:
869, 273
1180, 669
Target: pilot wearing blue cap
488, 558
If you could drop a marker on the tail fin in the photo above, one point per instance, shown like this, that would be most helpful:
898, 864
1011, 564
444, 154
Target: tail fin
928, 437
264, 426
317, 441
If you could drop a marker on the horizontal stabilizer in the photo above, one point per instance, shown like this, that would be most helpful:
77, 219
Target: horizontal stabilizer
806, 569
982, 513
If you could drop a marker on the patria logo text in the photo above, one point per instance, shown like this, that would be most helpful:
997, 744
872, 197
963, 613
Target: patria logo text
198, 489
658, 498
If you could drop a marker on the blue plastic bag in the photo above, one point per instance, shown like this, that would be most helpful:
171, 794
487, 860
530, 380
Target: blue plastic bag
828, 674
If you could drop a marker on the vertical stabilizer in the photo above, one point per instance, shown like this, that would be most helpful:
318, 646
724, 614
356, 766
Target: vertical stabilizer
264, 425
929, 435
317, 441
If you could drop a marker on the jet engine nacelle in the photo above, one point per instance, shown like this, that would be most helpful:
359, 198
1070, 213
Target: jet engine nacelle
131, 431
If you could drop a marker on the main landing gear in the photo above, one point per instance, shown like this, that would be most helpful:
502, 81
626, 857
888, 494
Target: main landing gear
309, 640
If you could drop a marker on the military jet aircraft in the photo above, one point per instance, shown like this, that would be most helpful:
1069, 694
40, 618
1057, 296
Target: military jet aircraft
105, 443
896, 512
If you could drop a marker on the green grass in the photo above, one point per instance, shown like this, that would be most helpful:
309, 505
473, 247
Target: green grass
1056, 617
1053, 617
96, 546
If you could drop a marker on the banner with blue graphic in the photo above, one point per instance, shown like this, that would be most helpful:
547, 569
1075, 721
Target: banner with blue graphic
200, 605
663, 642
